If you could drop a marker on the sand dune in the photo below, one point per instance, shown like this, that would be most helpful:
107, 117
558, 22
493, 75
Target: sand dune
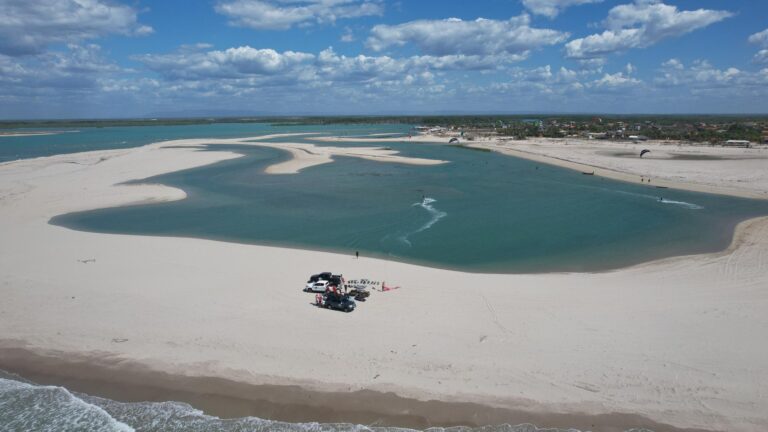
680, 341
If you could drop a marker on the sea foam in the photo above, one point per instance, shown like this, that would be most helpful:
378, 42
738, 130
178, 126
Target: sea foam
29, 407
26, 406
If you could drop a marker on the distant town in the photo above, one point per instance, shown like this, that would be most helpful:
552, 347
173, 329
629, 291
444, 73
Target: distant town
736, 131
730, 130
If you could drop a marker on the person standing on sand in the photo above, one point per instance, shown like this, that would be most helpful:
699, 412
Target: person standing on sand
357, 254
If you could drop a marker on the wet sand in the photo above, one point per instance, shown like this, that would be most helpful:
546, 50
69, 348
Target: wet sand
127, 381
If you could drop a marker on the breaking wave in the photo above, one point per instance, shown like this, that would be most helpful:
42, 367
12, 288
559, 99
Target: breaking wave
29, 407
26, 406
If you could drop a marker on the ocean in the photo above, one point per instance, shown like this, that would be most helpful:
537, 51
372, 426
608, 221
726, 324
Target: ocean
26, 407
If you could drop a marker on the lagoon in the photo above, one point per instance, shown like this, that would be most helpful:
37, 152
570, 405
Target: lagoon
482, 212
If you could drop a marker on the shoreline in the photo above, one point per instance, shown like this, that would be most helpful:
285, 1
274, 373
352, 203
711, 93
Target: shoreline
557, 342
573, 154
658, 183
307, 155
128, 381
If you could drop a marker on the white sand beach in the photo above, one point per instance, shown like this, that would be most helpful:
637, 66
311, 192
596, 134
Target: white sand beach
680, 341
701, 168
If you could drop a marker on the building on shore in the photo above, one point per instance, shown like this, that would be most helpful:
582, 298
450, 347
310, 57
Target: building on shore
737, 143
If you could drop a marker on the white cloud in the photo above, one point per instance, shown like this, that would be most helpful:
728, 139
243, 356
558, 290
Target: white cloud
615, 81
342, 68
348, 36
284, 14
761, 56
246, 66
27, 27
552, 8
455, 36
761, 39
337, 67
563, 83
702, 77
58, 74
231, 63
673, 64
640, 25
196, 72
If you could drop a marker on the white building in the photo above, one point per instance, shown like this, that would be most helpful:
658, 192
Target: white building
737, 143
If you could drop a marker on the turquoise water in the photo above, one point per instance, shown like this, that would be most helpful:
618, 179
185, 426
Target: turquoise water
480, 212
88, 139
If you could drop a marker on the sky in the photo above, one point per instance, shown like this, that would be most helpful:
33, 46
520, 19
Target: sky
161, 58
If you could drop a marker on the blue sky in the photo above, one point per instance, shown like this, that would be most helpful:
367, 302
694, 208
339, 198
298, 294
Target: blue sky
132, 58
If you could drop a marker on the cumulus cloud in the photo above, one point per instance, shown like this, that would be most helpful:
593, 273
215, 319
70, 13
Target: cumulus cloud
284, 14
247, 66
76, 69
761, 39
301, 80
332, 66
617, 80
455, 36
335, 67
703, 77
190, 64
552, 8
640, 25
348, 36
28, 27
761, 56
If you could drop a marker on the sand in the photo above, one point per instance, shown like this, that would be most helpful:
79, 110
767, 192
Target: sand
678, 341
731, 171
305, 155
133, 382
31, 133
375, 138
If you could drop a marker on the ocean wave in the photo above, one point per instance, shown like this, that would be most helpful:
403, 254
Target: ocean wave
436, 215
26, 406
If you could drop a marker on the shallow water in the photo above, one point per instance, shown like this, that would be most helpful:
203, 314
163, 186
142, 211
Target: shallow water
96, 138
481, 212
25, 406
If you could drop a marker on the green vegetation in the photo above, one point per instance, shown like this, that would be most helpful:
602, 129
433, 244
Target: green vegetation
700, 128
